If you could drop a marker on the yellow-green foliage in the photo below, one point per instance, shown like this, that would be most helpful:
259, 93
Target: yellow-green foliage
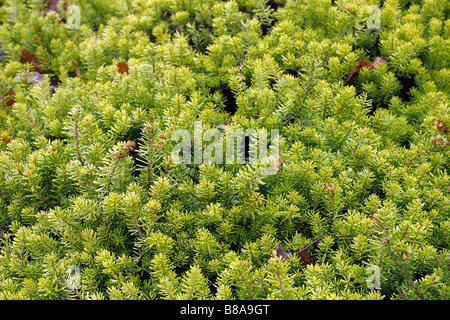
87, 178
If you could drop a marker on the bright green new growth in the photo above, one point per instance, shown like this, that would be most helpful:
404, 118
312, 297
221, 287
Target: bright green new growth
87, 178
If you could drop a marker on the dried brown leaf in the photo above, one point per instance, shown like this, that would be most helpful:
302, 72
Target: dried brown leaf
123, 67
9, 97
376, 62
361, 64
304, 257
28, 57
74, 64
302, 254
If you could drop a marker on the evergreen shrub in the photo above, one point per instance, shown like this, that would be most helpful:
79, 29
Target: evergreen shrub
93, 205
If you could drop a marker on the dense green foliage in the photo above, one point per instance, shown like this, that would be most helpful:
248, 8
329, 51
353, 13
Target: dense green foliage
87, 179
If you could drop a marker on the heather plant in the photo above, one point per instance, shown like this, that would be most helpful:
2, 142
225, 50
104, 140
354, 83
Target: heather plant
95, 205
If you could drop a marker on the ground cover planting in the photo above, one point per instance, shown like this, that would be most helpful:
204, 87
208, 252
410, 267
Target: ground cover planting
244, 149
